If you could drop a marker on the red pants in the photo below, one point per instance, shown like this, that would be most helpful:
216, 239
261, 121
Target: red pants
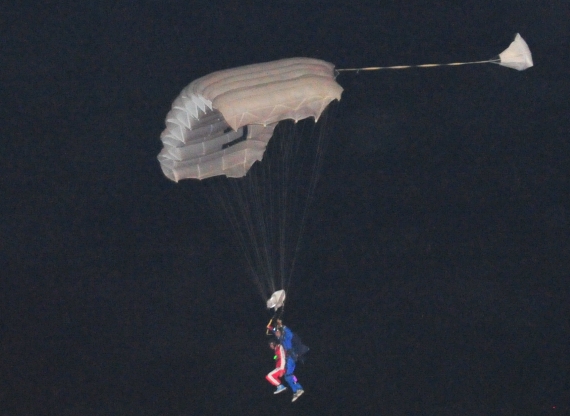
274, 376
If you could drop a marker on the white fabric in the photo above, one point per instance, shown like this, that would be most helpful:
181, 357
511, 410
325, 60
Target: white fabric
517, 55
197, 139
276, 300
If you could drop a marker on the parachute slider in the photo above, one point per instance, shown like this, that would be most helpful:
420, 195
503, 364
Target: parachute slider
276, 300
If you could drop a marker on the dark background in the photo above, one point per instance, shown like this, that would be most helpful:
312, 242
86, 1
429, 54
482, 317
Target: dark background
433, 278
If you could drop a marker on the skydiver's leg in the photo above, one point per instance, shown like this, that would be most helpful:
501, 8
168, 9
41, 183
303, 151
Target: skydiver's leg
290, 377
274, 376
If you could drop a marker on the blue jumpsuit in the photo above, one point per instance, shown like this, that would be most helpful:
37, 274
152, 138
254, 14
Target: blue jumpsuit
290, 378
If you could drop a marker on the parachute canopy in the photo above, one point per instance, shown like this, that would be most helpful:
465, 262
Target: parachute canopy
517, 55
220, 124
276, 300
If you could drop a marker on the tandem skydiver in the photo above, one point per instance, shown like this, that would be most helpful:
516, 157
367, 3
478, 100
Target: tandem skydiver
285, 338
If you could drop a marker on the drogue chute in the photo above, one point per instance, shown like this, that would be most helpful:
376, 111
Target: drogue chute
516, 56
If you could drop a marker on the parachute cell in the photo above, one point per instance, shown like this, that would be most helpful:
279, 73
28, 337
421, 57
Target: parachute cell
220, 124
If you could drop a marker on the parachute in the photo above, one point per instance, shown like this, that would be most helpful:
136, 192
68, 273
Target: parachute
220, 124
516, 56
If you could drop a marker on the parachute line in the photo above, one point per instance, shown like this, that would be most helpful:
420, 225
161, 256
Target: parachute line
267, 210
378, 68
516, 56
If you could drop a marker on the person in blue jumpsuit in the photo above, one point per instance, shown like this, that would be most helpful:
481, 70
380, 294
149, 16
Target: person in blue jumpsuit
284, 335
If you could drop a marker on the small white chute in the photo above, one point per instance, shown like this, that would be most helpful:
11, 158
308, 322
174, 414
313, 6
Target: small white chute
276, 300
516, 56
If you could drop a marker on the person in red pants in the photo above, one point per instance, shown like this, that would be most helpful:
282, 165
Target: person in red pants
274, 377
284, 337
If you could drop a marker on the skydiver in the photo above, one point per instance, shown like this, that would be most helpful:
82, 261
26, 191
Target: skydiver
274, 376
284, 335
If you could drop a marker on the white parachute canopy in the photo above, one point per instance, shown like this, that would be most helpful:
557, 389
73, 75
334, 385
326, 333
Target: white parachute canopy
516, 56
220, 124
276, 300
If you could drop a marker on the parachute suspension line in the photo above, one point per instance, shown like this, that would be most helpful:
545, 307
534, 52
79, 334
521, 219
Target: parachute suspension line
281, 206
260, 213
251, 208
246, 205
263, 219
378, 68
225, 131
314, 160
268, 208
290, 202
224, 194
284, 186
290, 222
255, 204
279, 187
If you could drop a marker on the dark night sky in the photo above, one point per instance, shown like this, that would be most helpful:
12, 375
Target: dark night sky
433, 278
